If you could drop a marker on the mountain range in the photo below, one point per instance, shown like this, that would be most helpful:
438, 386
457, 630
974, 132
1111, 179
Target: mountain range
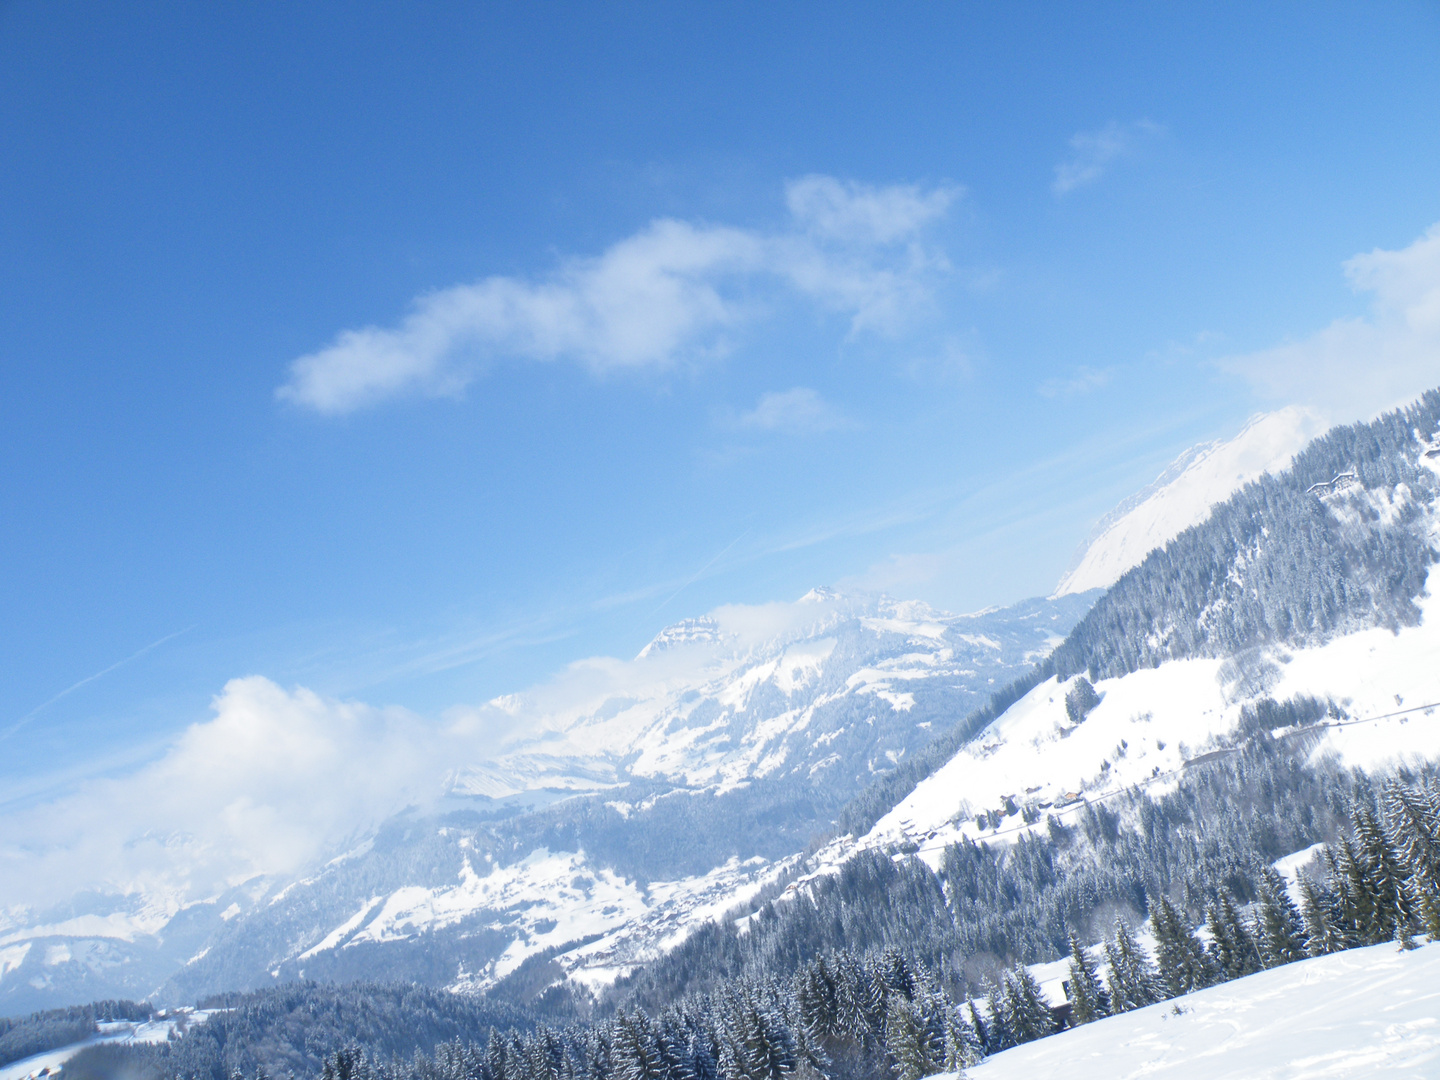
745, 755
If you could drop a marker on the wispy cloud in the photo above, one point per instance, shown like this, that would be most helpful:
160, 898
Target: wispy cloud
1093, 152
673, 290
1356, 367
800, 411
1082, 381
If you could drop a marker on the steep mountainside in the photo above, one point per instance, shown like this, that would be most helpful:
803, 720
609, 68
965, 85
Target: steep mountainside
1295, 588
1183, 494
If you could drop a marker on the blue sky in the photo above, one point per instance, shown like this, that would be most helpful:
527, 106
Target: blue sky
407, 355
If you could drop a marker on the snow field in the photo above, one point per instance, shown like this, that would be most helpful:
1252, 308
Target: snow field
1372, 1012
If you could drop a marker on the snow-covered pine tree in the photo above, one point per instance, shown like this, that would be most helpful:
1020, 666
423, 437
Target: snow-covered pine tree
853, 999
963, 1045
765, 1049
1318, 910
981, 1028
1183, 964
1233, 952
818, 1002
1133, 981
1384, 877
1282, 933
636, 1054
1001, 1037
913, 1045
1354, 902
1413, 829
1027, 1014
496, 1067
1088, 999
896, 974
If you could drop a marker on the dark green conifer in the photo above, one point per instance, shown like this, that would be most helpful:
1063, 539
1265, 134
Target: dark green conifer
1323, 933
1027, 1014
1282, 933
1088, 999
1133, 981
1183, 964
1233, 952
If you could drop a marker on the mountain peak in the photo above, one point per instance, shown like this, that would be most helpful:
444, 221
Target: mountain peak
684, 632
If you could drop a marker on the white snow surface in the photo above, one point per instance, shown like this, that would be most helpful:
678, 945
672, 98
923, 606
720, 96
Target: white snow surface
1184, 493
1371, 1012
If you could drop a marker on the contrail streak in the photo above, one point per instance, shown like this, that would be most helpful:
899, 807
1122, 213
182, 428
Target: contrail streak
85, 681
696, 576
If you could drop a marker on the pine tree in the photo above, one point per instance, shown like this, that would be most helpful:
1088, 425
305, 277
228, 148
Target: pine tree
1134, 983
1001, 1037
496, 1067
1356, 904
1233, 952
982, 1030
1383, 877
963, 1045
1088, 999
598, 1063
1323, 933
636, 1052
1183, 964
1413, 829
1282, 934
1027, 1014
909, 1041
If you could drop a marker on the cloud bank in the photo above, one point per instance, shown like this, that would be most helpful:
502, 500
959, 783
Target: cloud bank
673, 290
275, 780
1358, 367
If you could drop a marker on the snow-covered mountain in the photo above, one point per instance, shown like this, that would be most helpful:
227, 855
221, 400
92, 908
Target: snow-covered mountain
1183, 494
633, 801
1177, 699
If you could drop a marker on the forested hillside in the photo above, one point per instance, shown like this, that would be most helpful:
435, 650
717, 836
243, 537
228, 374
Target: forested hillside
1340, 540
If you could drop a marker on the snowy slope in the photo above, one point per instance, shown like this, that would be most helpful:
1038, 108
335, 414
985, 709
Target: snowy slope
1184, 493
1371, 1012
1152, 724
714, 716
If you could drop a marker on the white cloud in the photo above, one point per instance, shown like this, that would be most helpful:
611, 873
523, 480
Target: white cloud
1357, 367
1084, 380
671, 290
797, 411
275, 780
1095, 151
858, 213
